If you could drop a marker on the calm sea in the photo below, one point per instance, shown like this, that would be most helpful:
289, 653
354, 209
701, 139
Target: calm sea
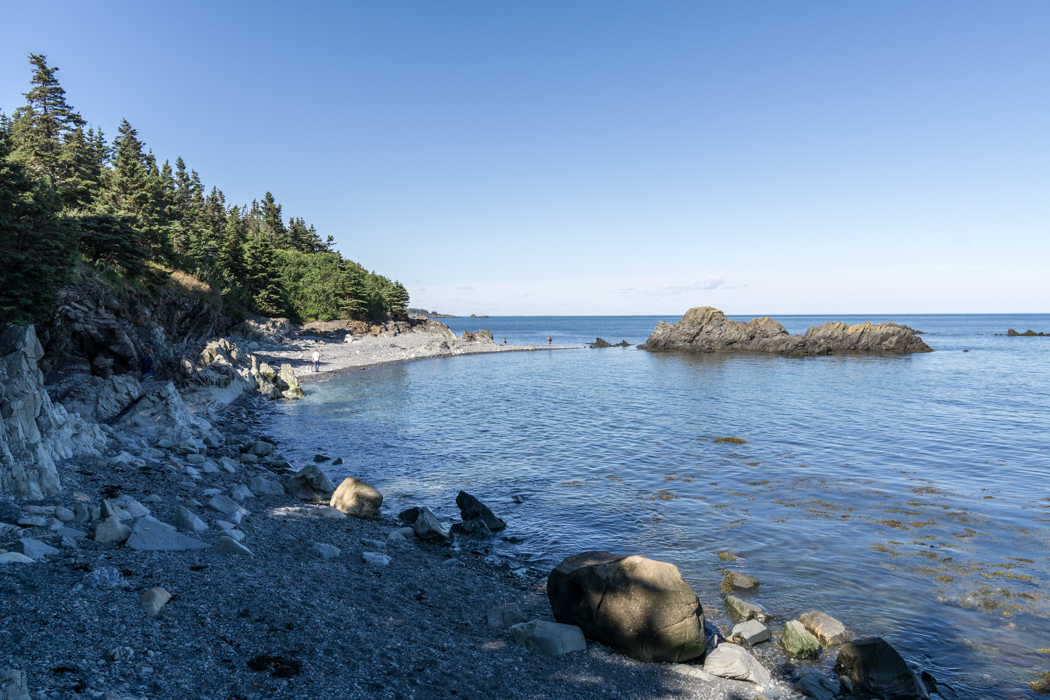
906, 496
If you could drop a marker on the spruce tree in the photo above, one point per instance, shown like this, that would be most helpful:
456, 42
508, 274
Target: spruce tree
271, 220
80, 171
396, 298
264, 287
230, 262
37, 251
40, 127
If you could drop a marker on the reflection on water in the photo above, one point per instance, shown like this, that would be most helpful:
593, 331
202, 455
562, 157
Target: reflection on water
904, 495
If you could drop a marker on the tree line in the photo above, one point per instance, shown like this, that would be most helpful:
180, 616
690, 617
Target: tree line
68, 197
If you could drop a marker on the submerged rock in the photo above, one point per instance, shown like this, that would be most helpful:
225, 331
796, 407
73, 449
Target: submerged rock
705, 329
642, 607
875, 668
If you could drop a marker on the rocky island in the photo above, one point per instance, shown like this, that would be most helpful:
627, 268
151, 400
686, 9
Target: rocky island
706, 329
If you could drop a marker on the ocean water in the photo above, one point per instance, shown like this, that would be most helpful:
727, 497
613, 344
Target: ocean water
906, 496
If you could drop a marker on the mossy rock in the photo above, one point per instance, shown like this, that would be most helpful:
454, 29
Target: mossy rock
798, 642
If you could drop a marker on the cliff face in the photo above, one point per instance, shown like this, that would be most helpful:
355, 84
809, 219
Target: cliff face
705, 329
34, 432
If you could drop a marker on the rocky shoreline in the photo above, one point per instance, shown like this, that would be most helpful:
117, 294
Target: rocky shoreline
164, 548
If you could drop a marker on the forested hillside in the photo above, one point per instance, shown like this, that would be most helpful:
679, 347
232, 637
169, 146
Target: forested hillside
70, 198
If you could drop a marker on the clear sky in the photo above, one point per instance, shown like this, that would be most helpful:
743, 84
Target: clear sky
603, 157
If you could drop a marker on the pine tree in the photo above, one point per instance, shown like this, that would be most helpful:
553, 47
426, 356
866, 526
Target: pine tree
264, 288
230, 262
37, 251
136, 189
111, 242
40, 127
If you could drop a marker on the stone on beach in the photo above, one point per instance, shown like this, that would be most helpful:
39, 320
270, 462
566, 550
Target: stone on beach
330, 513
34, 548
470, 508
550, 638
239, 492
264, 487
375, 559
742, 610
323, 551
152, 535
223, 504
425, 524
751, 632
818, 686
111, 530
14, 685
798, 642
504, 617
357, 498
15, 558
733, 661
228, 545
875, 668
738, 579
153, 600
824, 627
185, 520
640, 606
310, 484
471, 528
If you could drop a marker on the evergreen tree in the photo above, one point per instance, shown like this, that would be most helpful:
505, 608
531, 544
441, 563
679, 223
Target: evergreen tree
396, 298
80, 171
272, 223
40, 127
111, 242
263, 285
37, 251
136, 189
230, 262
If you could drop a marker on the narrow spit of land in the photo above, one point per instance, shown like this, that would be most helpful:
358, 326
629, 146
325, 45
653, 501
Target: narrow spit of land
369, 351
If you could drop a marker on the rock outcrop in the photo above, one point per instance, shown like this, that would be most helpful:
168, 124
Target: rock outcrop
224, 371
704, 329
602, 343
34, 432
95, 398
1027, 334
642, 607
162, 415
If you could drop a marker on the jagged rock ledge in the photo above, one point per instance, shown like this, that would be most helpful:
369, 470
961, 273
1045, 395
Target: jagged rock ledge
706, 329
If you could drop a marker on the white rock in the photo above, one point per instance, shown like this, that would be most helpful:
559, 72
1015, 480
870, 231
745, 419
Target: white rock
752, 632
223, 525
111, 530
64, 515
15, 558
331, 513
374, 544
32, 521
733, 661
223, 504
135, 509
235, 534
239, 492
152, 498
550, 638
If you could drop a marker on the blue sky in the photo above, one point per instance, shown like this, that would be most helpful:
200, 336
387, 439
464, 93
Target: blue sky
603, 157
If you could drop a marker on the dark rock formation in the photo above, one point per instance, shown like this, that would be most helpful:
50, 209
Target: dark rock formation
876, 669
600, 343
642, 607
1027, 334
471, 508
704, 329
310, 484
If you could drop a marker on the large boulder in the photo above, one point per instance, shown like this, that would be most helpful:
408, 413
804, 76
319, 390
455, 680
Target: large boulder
704, 329
824, 627
876, 669
640, 606
310, 484
356, 498
734, 661
34, 432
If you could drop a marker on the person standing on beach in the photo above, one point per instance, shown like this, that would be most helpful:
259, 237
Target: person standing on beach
548, 341
504, 341
317, 361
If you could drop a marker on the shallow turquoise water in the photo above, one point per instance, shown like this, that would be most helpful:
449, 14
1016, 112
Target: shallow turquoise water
904, 495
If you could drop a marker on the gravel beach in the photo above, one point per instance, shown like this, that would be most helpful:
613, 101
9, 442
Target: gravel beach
260, 594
